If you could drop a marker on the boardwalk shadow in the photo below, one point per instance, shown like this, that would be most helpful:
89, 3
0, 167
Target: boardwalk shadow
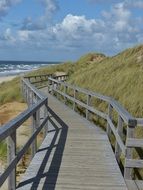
50, 176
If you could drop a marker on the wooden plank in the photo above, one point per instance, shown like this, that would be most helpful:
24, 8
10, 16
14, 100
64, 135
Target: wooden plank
11, 151
33, 88
89, 108
129, 153
133, 142
119, 129
117, 136
8, 128
88, 104
108, 129
131, 185
85, 91
19, 155
139, 122
130, 163
126, 116
74, 155
139, 184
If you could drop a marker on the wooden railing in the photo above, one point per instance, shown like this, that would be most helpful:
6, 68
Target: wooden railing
38, 111
122, 129
36, 102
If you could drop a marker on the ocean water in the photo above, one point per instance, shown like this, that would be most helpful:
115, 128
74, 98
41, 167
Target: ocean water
8, 68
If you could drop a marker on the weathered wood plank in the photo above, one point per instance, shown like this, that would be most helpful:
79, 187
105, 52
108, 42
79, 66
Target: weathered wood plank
74, 155
130, 163
131, 185
133, 142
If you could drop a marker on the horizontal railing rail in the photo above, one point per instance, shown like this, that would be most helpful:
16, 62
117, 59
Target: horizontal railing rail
36, 101
38, 104
124, 143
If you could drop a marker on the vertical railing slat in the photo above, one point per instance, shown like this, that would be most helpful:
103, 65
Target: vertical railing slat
120, 132
11, 154
45, 116
128, 172
110, 109
74, 103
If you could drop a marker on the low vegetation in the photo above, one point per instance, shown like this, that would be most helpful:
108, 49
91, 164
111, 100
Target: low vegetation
120, 76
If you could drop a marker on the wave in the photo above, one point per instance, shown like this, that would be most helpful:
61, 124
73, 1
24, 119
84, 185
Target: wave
12, 68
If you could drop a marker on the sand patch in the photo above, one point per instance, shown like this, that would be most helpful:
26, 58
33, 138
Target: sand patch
9, 111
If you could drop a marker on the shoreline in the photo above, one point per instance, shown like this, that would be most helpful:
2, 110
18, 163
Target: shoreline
7, 78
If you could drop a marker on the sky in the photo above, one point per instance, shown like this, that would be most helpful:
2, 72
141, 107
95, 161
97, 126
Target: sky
61, 30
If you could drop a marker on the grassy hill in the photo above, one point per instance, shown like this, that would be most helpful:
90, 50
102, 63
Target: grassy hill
120, 76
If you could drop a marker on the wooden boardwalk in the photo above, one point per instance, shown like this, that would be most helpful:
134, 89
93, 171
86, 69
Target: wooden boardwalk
75, 155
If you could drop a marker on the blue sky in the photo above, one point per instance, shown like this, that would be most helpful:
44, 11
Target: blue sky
53, 30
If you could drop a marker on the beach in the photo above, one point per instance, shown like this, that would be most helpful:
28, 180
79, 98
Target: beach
7, 78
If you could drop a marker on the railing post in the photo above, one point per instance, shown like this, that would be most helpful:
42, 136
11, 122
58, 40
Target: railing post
45, 116
11, 153
65, 92
35, 125
88, 104
58, 88
110, 108
49, 86
120, 132
129, 152
28, 96
52, 91
74, 103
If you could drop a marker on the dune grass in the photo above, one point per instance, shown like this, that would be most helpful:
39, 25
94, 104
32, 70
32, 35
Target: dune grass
120, 77
3, 150
10, 91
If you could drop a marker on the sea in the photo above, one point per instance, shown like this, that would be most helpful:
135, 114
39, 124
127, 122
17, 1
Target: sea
9, 68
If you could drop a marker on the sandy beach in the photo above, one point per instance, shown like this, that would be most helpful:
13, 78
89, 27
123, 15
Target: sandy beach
7, 78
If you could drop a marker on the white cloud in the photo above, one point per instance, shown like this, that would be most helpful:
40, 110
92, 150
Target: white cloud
115, 30
127, 3
133, 3
7, 37
77, 27
104, 2
51, 6
23, 35
5, 5
41, 23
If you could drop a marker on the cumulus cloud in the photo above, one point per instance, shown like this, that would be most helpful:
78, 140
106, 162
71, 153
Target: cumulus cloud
119, 18
5, 5
51, 7
117, 28
77, 29
132, 3
104, 2
30, 24
7, 37
127, 3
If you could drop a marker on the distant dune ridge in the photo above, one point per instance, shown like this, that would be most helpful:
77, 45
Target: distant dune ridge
120, 76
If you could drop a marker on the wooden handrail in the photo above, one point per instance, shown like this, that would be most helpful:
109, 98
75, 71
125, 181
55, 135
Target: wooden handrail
122, 146
36, 100
124, 114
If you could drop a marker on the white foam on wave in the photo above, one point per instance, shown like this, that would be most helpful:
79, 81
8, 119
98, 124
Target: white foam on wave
12, 69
